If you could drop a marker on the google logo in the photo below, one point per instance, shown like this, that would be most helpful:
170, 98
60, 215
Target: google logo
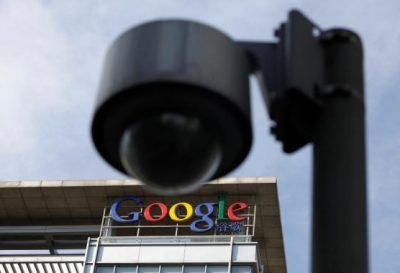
203, 213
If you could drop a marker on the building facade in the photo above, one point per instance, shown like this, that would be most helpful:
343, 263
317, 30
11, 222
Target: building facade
116, 226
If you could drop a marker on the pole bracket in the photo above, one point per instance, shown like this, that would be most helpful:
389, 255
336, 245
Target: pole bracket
339, 91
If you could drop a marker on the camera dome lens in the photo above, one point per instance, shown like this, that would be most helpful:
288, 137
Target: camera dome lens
171, 153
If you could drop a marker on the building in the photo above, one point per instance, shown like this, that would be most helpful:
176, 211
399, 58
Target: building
115, 226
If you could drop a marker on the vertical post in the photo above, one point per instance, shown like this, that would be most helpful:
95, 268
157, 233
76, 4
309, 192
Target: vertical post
95, 253
85, 257
254, 220
231, 242
248, 221
339, 190
103, 220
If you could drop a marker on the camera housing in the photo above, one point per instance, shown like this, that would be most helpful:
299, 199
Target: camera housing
173, 108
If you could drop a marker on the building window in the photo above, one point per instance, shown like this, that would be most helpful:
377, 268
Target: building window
104, 269
241, 269
194, 269
173, 269
217, 269
125, 269
148, 269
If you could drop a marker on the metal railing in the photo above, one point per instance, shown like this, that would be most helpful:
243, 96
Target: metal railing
174, 239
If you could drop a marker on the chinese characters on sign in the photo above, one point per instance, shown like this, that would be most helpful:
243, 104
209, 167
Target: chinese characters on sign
232, 227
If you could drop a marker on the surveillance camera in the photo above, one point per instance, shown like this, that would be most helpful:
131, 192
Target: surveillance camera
173, 107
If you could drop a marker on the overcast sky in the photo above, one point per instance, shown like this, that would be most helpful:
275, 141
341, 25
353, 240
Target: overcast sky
50, 60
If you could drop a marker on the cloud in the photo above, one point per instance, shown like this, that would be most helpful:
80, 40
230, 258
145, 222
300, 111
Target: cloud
32, 68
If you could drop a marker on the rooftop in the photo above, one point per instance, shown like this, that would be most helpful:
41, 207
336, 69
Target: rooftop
62, 214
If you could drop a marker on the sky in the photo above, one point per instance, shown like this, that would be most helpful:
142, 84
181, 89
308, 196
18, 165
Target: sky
51, 53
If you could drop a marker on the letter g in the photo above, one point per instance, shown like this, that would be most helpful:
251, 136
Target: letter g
208, 223
134, 216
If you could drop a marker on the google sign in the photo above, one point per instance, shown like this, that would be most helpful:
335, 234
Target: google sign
201, 213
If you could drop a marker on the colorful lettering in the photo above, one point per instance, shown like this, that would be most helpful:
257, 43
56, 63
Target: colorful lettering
134, 216
235, 207
175, 217
149, 217
221, 208
156, 212
205, 223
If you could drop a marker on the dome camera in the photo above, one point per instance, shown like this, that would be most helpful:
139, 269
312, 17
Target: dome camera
173, 108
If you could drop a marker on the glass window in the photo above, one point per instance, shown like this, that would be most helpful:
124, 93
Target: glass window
171, 269
104, 269
194, 269
125, 269
217, 269
148, 269
241, 269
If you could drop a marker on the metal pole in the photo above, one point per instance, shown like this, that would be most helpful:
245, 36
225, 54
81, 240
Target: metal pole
339, 190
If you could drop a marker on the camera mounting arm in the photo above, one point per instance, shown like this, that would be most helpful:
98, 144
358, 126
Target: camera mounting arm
294, 75
312, 83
